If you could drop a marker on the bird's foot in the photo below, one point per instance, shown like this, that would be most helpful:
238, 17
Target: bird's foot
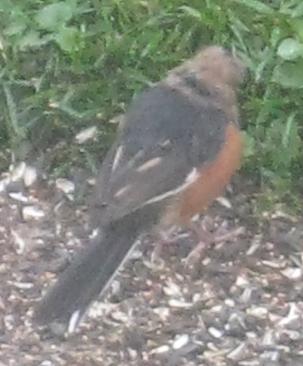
207, 238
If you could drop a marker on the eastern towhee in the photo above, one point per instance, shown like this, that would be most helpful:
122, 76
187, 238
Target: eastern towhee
176, 149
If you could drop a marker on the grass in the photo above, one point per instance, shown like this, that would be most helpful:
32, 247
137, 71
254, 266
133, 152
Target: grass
66, 65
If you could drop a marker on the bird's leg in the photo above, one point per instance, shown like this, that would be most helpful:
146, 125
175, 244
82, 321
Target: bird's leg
223, 237
163, 239
206, 238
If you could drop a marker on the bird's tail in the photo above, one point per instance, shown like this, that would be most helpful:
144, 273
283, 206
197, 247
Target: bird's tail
88, 275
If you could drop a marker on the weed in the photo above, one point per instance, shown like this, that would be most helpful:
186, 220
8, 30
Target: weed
67, 64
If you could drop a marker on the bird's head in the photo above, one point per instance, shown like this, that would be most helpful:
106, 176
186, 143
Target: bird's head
218, 65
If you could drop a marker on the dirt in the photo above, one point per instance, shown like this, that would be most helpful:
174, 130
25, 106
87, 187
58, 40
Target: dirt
241, 305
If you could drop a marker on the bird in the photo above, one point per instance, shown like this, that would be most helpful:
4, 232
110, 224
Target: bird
176, 149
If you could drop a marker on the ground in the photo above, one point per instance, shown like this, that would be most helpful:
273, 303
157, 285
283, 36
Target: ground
242, 305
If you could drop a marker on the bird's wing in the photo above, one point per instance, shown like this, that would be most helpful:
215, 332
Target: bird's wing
166, 135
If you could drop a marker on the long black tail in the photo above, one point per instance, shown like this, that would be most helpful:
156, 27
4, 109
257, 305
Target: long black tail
89, 274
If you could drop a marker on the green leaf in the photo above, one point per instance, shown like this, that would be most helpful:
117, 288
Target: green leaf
31, 39
250, 145
276, 36
290, 131
256, 5
289, 74
298, 11
191, 11
55, 15
15, 28
4, 5
290, 49
67, 39
297, 26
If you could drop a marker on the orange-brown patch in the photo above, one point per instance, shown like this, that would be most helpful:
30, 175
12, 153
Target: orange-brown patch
213, 177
